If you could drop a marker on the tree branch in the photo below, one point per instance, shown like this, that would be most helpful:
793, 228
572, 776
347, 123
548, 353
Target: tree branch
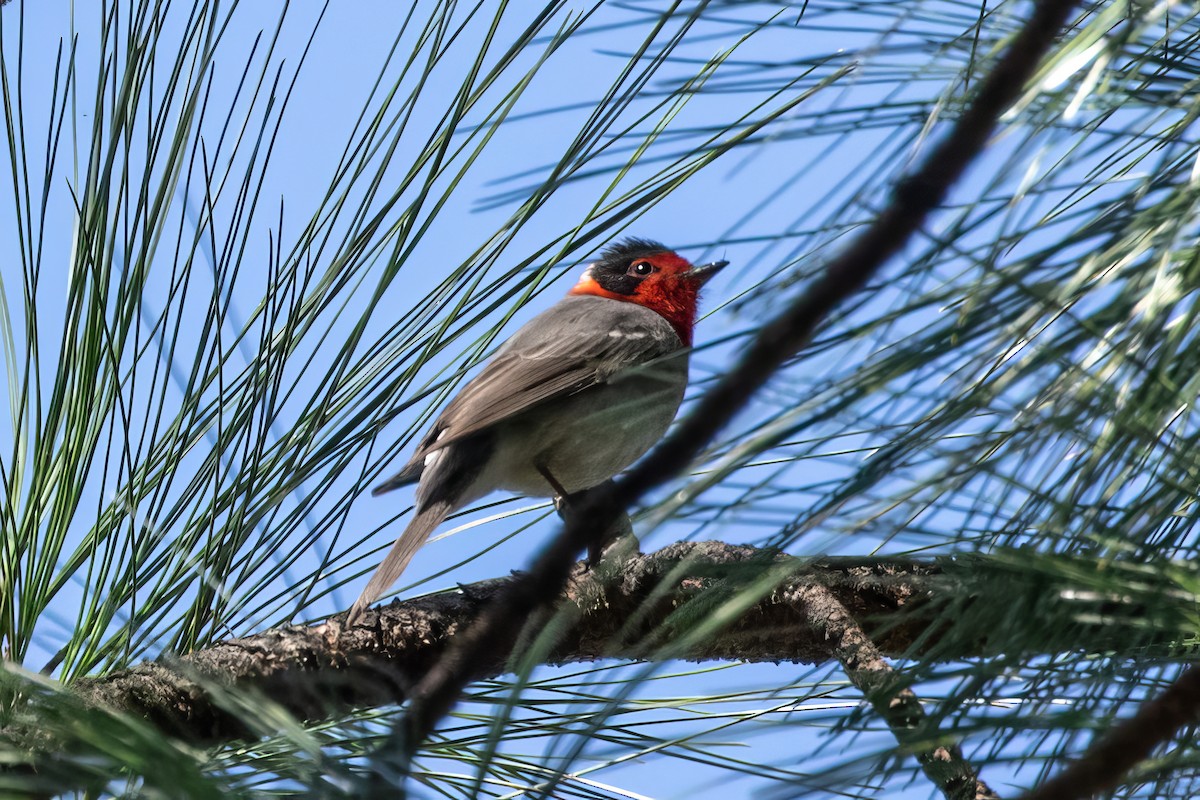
912, 200
321, 671
905, 607
867, 669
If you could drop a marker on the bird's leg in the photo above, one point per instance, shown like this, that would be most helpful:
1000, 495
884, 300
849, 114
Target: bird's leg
562, 498
560, 494
620, 531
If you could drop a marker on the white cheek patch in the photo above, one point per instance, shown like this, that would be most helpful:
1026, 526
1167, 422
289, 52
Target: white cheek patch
620, 334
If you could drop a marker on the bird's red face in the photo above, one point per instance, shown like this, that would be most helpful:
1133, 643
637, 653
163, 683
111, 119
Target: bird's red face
647, 273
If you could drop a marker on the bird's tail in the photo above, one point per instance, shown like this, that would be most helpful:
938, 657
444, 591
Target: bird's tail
402, 552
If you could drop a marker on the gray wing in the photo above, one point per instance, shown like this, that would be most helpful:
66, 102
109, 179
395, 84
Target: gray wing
580, 342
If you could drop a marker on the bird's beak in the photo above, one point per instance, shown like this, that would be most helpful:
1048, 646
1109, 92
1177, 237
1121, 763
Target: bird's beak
702, 273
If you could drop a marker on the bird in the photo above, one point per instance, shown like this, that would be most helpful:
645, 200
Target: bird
572, 398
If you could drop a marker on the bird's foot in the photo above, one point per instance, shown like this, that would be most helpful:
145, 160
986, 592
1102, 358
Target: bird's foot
618, 537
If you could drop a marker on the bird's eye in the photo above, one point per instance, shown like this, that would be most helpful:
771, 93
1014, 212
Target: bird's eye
641, 268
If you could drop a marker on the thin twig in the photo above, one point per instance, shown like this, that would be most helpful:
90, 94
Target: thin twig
942, 762
912, 200
1127, 744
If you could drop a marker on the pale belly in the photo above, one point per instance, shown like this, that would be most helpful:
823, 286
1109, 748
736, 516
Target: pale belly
586, 439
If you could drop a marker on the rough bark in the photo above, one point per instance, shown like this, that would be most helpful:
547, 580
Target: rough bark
640, 606
320, 670
940, 757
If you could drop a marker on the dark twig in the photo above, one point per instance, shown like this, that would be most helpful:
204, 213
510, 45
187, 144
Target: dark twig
1129, 743
912, 200
942, 762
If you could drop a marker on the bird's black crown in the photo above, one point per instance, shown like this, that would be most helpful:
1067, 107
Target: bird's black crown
623, 252
611, 270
